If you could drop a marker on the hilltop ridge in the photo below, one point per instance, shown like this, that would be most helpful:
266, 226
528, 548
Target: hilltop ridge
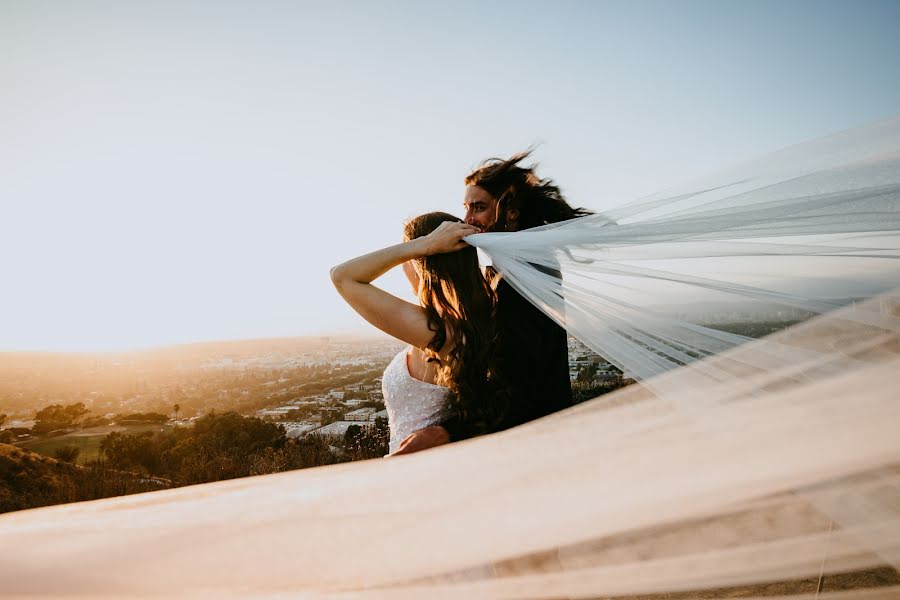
29, 479
32, 480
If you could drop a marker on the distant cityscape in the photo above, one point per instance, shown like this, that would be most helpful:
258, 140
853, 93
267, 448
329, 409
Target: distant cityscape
320, 385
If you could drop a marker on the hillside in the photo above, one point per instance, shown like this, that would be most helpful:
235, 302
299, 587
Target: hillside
30, 480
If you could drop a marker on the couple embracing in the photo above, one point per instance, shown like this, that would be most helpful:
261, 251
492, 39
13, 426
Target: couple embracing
481, 358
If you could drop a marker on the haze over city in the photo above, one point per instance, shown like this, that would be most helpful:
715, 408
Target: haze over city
183, 172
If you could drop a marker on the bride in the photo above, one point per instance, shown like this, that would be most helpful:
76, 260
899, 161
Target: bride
446, 371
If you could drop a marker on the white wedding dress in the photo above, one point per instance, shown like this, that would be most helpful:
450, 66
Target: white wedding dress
412, 404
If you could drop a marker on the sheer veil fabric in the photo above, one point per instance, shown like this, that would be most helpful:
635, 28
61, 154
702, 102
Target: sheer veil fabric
734, 462
800, 232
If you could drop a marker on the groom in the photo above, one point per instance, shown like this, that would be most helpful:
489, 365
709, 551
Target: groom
532, 350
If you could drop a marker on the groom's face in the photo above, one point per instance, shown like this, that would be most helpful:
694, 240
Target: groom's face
481, 208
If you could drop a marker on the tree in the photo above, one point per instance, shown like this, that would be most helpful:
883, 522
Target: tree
2, 418
150, 417
125, 451
237, 435
353, 431
94, 421
176, 408
57, 416
362, 443
587, 374
67, 453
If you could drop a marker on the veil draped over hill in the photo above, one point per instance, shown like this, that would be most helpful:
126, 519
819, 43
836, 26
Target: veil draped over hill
733, 462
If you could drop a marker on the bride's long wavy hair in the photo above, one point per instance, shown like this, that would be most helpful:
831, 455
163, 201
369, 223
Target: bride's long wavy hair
460, 301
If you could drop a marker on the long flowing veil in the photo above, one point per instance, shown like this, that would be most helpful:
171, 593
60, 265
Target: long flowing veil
734, 466
797, 233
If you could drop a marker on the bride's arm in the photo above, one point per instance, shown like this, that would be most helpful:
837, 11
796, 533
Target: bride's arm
396, 317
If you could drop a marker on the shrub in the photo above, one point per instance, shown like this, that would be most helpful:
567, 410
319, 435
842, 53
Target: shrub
67, 453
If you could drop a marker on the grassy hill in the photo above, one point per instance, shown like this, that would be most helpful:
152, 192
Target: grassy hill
30, 480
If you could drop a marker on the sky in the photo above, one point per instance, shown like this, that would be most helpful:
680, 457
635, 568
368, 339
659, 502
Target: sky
189, 171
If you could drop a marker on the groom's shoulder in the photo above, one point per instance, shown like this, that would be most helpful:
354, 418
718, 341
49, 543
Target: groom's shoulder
514, 310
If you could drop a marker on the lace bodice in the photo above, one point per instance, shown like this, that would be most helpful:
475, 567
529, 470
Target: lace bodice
411, 404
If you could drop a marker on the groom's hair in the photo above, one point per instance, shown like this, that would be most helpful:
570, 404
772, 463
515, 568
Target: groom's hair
539, 201
459, 301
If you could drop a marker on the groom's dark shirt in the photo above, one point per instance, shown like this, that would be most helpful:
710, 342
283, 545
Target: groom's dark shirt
532, 361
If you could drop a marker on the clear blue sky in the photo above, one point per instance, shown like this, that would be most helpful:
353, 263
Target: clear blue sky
179, 171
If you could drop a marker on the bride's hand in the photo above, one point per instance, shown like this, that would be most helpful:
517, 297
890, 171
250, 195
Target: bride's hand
448, 237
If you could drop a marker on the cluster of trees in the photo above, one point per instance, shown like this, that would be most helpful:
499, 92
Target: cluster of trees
218, 446
229, 445
58, 416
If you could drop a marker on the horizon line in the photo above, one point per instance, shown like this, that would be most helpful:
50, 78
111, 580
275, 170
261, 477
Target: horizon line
180, 345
